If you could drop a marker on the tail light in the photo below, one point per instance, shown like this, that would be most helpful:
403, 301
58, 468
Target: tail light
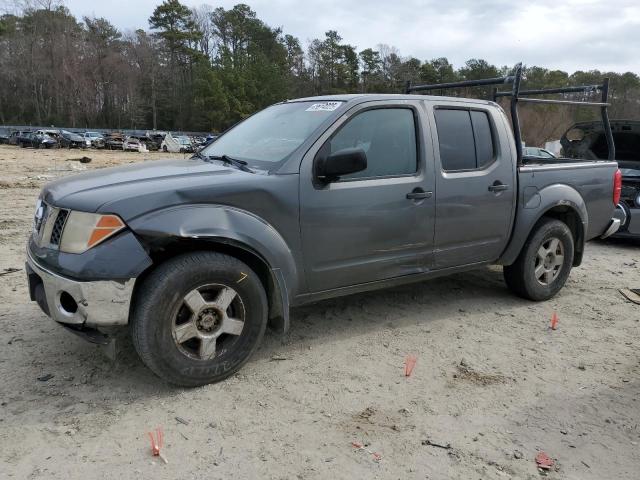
617, 186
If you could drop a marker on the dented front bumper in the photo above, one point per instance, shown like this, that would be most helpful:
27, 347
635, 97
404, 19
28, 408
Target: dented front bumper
101, 303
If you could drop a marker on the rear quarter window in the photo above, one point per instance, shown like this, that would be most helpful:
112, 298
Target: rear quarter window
465, 139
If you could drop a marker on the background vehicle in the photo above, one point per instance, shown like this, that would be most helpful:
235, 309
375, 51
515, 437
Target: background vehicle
69, 139
208, 141
535, 152
4, 135
309, 199
23, 139
588, 140
185, 144
13, 137
176, 144
36, 140
114, 141
94, 139
131, 144
154, 140
51, 132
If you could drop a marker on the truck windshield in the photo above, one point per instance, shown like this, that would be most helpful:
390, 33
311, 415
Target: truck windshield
272, 134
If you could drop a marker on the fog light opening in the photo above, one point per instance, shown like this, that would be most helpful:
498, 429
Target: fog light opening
67, 303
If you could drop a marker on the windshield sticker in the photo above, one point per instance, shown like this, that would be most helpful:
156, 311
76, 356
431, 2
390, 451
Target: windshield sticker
323, 107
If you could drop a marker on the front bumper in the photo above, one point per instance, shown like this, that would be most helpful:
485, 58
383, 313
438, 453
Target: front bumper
101, 303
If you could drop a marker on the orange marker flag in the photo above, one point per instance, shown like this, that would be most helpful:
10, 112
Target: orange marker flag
409, 363
156, 444
554, 321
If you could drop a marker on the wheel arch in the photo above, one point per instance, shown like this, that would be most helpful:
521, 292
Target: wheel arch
237, 233
561, 202
271, 280
571, 218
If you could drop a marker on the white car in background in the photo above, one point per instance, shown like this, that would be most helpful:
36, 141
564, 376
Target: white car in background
133, 144
177, 144
535, 152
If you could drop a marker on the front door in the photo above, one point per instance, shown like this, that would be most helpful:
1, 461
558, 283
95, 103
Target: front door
378, 223
476, 185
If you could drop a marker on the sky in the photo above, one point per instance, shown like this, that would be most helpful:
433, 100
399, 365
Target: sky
565, 34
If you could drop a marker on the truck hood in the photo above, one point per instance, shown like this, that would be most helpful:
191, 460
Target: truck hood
131, 189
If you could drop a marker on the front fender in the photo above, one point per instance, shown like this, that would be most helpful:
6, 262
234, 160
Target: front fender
226, 225
533, 205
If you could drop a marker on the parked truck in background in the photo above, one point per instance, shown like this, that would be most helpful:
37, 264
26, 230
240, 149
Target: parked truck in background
588, 140
306, 200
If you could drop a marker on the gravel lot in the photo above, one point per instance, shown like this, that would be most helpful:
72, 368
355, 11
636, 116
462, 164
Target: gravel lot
491, 380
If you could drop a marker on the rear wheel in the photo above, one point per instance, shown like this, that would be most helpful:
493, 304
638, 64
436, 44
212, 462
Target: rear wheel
544, 264
198, 318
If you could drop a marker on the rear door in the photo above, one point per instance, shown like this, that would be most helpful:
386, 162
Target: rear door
378, 223
475, 184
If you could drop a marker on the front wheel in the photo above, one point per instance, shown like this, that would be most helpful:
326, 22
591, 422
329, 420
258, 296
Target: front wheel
198, 317
543, 266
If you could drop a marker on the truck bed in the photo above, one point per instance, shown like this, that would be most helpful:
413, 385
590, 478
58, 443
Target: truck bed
590, 179
561, 160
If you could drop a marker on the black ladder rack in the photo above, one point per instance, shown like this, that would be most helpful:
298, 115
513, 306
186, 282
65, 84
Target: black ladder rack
515, 94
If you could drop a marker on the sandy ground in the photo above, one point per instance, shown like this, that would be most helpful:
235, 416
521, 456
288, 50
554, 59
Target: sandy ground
491, 379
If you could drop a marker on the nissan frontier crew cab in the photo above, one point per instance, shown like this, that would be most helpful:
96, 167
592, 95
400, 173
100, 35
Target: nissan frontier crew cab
306, 200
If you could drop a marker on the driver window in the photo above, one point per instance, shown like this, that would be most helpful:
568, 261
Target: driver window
387, 136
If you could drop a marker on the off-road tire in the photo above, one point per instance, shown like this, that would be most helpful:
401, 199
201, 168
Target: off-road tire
160, 298
521, 277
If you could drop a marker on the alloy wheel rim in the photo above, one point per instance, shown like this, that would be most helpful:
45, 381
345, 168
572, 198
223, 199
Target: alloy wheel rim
549, 261
208, 321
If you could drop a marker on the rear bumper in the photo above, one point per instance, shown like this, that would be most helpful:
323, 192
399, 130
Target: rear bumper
613, 227
101, 303
630, 226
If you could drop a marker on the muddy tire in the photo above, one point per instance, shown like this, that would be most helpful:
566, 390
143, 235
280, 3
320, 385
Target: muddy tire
544, 264
198, 317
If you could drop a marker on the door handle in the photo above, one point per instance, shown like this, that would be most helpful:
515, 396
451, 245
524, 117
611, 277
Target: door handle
418, 194
498, 187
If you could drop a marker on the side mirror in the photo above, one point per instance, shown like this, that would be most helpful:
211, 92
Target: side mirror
343, 162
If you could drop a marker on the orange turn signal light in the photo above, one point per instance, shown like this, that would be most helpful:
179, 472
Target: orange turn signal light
106, 226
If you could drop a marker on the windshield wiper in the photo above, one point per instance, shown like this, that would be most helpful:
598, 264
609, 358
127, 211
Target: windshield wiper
241, 164
199, 155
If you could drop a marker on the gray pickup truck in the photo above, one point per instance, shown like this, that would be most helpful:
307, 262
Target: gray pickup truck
306, 200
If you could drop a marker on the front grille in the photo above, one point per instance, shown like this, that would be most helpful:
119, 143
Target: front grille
58, 226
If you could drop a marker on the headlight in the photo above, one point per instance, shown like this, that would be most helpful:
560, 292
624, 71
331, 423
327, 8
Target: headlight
85, 230
638, 200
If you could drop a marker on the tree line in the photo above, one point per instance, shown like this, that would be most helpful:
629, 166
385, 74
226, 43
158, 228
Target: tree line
206, 68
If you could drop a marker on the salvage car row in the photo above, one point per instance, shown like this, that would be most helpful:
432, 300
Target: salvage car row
147, 141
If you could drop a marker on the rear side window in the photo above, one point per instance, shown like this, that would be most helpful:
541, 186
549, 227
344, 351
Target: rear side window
387, 136
465, 139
